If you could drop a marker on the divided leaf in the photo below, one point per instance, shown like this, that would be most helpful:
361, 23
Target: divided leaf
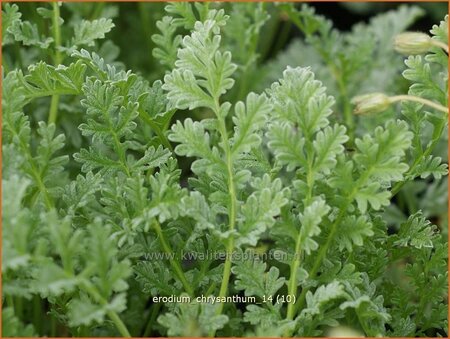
258, 213
310, 221
86, 32
252, 278
248, 120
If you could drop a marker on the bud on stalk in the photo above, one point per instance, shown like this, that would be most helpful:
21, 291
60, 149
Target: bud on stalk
411, 43
371, 103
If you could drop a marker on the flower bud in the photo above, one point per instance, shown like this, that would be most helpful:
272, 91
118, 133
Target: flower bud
341, 331
371, 103
411, 43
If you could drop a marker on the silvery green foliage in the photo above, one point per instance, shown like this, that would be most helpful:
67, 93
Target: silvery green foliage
123, 198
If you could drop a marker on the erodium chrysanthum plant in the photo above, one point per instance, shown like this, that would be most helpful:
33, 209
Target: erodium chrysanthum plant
246, 181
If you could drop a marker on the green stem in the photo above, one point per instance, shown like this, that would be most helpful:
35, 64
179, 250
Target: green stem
117, 145
440, 45
145, 22
423, 301
41, 94
53, 326
34, 171
151, 320
158, 131
90, 289
18, 52
318, 262
37, 312
419, 100
19, 307
47, 199
119, 324
398, 186
232, 211
53, 113
283, 36
269, 37
210, 289
56, 32
331, 64
226, 273
250, 64
175, 264
5, 67
10, 302
346, 106
333, 229
292, 284
97, 10
295, 264
363, 325
120, 151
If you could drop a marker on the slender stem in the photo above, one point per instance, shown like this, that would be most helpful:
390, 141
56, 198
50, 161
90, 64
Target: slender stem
119, 324
283, 36
232, 210
331, 64
232, 219
88, 287
19, 307
41, 94
145, 22
5, 67
440, 44
251, 62
423, 301
226, 273
97, 10
47, 199
120, 151
292, 284
270, 37
53, 326
347, 109
117, 145
419, 100
10, 301
18, 52
210, 289
151, 321
310, 178
158, 131
438, 131
53, 113
318, 262
175, 264
37, 313
363, 325
419, 159
83, 331
324, 249
56, 32
34, 171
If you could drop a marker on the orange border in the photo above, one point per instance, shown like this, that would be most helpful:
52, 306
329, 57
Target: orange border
150, 1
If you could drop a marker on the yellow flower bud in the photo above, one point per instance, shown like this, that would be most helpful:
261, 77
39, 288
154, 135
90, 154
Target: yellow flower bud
410, 43
341, 331
371, 103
